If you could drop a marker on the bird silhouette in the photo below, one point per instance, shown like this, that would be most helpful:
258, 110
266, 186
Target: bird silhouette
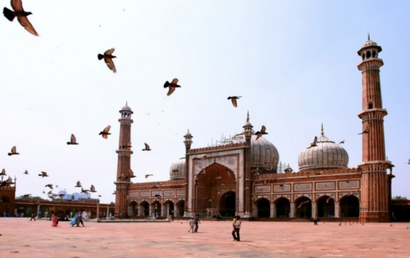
50, 192
123, 176
25, 172
84, 190
365, 131
302, 203
171, 86
26, 195
49, 186
313, 144
342, 142
234, 100
147, 175
43, 174
92, 189
408, 162
78, 184
3, 172
104, 133
73, 140
115, 192
13, 151
131, 173
158, 195
147, 148
261, 132
21, 15
108, 59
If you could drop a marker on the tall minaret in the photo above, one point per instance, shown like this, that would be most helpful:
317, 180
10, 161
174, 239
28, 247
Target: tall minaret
248, 132
375, 182
124, 162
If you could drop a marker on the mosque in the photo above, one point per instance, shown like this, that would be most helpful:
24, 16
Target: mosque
241, 175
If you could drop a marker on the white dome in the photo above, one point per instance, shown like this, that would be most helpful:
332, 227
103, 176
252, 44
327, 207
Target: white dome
177, 169
325, 155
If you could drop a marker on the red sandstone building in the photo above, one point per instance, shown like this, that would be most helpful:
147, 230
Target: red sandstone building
240, 177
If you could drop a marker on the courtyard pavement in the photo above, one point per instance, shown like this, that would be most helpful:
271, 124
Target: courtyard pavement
23, 238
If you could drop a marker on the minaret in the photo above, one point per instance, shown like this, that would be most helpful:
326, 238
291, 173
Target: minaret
248, 132
124, 162
375, 182
188, 142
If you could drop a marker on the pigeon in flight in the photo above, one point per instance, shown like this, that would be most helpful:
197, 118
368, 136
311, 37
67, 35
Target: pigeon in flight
25, 172
26, 195
108, 59
13, 151
233, 100
261, 132
104, 133
171, 86
131, 173
147, 175
147, 148
50, 186
313, 144
73, 140
365, 131
43, 174
302, 203
342, 142
78, 184
21, 15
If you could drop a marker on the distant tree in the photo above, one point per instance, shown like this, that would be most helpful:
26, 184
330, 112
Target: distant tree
400, 198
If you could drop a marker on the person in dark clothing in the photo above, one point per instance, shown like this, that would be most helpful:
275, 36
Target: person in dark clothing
196, 223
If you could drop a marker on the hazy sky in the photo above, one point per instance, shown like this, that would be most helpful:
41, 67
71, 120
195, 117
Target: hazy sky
293, 62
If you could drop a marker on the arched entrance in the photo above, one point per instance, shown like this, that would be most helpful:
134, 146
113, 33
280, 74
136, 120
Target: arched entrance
180, 209
132, 209
156, 209
263, 206
169, 208
282, 208
144, 208
210, 183
349, 207
325, 207
228, 204
303, 207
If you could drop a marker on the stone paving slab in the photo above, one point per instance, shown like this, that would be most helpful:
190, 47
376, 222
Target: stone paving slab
23, 238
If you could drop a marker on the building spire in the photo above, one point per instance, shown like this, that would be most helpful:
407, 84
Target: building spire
247, 116
321, 130
368, 36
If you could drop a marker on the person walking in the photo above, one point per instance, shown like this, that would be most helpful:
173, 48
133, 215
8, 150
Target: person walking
191, 225
237, 228
196, 223
33, 216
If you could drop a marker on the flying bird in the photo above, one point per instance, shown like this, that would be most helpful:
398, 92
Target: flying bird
73, 140
43, 174
104, 133
158, 186
78, 184
25, 172
147, 148
92, 189
108, 59
21, 15
408, 162
342, 142
302, 203
234, 100
13, 151
365, 131
147, 175
50, 186
26, 195
313, 144
261, 132
171, 86
158, 195
131, 173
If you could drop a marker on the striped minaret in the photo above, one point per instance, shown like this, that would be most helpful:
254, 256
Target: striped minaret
375, 183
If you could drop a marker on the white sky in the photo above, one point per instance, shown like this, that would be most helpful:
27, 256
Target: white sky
293, 62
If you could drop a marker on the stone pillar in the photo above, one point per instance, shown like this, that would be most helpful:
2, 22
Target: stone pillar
337, 210
314, 210
292, 210
272, 210
163, 210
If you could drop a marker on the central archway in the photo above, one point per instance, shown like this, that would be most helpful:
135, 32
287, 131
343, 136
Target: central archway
263, 208
228, 204
210, 183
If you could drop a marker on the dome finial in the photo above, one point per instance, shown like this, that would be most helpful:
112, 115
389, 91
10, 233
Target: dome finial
368, 36
247, 116
321, 130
